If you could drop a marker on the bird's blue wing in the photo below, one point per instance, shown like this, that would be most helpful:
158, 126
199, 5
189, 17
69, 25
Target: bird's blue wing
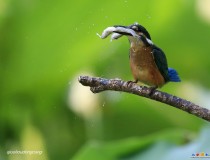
161, 62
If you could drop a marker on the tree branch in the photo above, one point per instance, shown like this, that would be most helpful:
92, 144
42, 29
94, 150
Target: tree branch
98, 84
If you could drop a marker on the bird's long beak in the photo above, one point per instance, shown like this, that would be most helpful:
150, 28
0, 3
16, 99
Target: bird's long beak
118, 31
123, 30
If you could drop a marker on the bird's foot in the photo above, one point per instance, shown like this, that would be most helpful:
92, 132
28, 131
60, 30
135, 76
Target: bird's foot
130, 82
152, 89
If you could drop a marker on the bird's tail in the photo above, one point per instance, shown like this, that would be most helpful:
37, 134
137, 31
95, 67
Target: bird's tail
173, 75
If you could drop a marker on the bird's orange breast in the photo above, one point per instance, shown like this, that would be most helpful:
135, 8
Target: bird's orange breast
143, 66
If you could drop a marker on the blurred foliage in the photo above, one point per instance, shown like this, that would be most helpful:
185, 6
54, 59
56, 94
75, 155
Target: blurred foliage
45, 45
162, 146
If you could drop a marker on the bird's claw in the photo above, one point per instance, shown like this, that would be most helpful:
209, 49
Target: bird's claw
152, 90
131, 82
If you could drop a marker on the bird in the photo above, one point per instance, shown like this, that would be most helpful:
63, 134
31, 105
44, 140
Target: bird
148, 62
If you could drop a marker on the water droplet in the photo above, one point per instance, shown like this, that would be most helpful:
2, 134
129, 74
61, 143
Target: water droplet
103, 104
148, 16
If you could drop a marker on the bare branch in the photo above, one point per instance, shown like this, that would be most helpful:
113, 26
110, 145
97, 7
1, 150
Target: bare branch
98, 84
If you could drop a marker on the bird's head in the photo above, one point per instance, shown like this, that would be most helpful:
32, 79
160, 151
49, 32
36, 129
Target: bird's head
140, 30
137, 28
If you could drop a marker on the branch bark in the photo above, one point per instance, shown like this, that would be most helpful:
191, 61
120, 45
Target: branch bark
98, 84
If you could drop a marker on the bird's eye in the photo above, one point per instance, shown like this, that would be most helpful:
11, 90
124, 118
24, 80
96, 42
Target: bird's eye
135, 28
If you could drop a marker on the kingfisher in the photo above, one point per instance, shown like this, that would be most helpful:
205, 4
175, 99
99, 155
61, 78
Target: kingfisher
148, 62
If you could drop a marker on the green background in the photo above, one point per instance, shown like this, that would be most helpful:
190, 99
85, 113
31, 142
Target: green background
45, 45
